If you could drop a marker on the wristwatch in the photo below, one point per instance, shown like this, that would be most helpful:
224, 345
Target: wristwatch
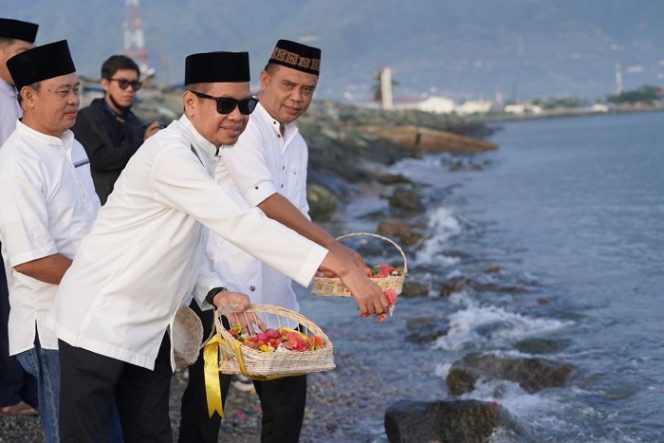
214, 291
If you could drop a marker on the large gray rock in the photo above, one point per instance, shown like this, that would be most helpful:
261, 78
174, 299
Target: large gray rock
407, 200
426, 329
407, 233
414, 289
542, 345
532, 374
468, 421
460, 283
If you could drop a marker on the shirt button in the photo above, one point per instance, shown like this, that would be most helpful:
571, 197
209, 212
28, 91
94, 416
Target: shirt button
282, 186
252, 288
283, 167
255, 187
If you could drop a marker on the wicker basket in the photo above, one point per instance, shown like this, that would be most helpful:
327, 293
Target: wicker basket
235, 358
187, 335
326, 286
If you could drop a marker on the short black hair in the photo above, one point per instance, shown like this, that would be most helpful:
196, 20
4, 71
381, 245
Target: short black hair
116, 63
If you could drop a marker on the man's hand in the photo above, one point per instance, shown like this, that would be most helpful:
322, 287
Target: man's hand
241, 303
151, 130
367, 294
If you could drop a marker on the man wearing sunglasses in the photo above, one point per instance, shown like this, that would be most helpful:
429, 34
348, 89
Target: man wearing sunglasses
145, 255
267, 168
108, 129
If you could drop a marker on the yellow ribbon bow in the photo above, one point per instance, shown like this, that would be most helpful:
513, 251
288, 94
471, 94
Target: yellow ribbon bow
212, 385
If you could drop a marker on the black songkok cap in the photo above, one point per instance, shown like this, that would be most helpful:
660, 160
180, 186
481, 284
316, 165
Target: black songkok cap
16, 29
296, 56
41, 63
216, 67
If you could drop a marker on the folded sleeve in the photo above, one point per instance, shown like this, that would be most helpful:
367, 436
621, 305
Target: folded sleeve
181, 182
24, 221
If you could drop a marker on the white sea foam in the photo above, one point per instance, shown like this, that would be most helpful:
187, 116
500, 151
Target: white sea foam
442, 225
478, 326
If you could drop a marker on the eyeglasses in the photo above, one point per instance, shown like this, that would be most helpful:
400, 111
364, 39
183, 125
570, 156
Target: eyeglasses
123, 83
226, 105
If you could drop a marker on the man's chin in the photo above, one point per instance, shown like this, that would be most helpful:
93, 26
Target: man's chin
229, 141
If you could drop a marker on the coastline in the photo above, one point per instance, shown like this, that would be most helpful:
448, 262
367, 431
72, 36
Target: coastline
563, 113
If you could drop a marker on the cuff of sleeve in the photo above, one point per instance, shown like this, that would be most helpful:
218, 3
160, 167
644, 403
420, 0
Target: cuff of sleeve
209, 298
29, 256
259, 192
310, 265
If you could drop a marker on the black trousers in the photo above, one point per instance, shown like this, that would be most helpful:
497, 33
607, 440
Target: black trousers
90, 385
282, 402
15, 383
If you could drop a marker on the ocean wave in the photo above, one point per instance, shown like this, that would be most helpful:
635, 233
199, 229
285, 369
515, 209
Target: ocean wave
479, 326
443, 225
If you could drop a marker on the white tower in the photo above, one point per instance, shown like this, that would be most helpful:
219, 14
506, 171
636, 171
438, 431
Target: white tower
619, 82
386, 88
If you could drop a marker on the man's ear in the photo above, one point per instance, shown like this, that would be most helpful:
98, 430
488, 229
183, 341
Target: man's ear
28, 97
190, 103
264, 79
105, 83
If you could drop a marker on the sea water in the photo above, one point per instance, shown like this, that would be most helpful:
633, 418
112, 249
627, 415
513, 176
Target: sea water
572, 211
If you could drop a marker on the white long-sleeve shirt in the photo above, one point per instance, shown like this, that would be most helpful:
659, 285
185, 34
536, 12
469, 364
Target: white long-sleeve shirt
135, 268
47, 204
262, 162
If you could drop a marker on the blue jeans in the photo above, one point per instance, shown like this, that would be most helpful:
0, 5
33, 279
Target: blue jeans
44, 365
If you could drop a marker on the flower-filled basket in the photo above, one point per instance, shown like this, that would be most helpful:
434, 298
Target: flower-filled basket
286, 344
385, 276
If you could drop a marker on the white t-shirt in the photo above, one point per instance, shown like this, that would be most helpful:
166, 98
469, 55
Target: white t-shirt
262, 162
146, 249
48, 203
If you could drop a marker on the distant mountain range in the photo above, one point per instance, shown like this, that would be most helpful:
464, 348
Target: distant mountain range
458, 48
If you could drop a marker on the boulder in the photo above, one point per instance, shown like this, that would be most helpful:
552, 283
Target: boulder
406, 200
532, 374
425, 329
406, 233
429, 139
460, 283
392, 179
467, 421
541, 345
414, 289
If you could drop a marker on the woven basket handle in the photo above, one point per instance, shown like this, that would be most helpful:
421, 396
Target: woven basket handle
368, 234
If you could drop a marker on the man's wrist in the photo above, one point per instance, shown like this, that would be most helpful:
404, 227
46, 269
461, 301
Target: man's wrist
212, 293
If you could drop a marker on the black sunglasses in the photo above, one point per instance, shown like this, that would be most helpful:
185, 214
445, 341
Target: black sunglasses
123, 83
226, 105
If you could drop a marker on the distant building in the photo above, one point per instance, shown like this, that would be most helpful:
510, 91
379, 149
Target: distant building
522, 108
599, 107
434, 104
475, 107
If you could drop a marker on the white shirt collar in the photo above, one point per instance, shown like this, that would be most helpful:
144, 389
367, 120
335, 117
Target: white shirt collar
200, 143
65, 141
